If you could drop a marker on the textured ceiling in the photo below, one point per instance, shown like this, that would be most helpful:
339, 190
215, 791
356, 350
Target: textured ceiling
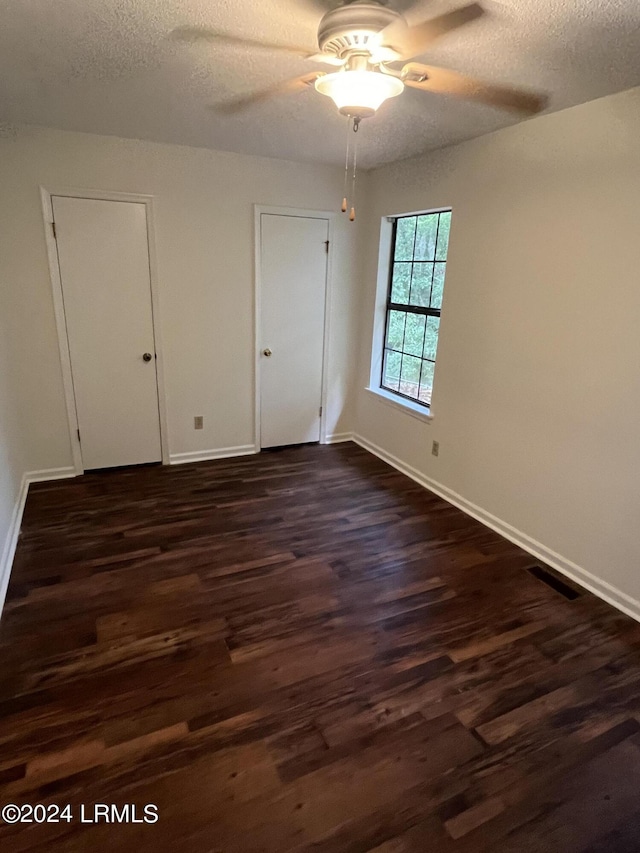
109, 66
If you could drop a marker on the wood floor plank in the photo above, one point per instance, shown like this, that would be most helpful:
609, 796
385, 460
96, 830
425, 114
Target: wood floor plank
306, 651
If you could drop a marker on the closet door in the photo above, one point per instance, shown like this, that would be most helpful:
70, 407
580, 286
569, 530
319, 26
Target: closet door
103, 256
293, 287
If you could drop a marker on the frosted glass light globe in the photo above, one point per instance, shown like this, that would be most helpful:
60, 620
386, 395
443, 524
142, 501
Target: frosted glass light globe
359, 93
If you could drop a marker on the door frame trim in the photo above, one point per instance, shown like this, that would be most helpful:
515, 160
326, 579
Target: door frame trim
46, 194
301, 213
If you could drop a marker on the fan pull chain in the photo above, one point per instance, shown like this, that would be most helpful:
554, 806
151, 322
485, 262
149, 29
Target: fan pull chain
352, 213
346, 169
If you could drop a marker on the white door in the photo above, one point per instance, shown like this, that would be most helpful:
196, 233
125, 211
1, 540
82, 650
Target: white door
103, 256
291, 336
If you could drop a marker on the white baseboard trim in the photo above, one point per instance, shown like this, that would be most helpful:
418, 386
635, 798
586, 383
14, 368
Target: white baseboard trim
338, 437
50, 474
604, 590
206, 455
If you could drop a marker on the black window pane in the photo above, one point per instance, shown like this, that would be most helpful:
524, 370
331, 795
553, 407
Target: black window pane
410, 376
401, 283
395, 329
405, 237
431, 338
437, 288
426, 382
414, 334
391, 370
426, 232
443, 236
421, 284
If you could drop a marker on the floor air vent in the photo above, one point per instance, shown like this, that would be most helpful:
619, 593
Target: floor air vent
552, 580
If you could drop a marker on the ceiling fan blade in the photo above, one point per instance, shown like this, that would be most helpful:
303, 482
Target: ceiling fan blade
318, 7
196, 34
446, 82
287, 87
413, 41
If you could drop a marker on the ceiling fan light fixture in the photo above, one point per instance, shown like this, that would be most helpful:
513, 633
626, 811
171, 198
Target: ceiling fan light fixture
359, 93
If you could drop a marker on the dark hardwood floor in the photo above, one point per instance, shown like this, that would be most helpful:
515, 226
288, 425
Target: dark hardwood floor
306, 651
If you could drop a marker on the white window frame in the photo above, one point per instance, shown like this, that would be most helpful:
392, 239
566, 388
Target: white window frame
416, 410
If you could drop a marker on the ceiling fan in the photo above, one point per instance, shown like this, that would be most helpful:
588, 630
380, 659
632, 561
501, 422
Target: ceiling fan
371, 44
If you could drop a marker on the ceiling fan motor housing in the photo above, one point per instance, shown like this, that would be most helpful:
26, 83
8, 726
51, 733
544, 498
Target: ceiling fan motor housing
350, 28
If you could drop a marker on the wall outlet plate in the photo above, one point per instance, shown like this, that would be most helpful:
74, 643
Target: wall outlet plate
198, 422
435, 448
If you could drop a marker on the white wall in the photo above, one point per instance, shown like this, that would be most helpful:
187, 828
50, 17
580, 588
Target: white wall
537, 389
204, 242
12, 464
12, 456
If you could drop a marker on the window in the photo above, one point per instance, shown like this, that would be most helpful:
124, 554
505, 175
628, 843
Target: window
414, 301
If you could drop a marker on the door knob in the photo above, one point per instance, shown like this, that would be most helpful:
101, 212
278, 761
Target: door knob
147, 356
267, 352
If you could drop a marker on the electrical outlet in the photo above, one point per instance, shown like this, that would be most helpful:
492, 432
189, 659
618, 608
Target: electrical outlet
435, 448
198, 422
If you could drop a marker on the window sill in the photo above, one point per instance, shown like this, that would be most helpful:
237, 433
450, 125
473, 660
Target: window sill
415, 410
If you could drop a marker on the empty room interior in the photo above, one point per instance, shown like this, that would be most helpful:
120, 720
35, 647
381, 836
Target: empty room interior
319, 444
